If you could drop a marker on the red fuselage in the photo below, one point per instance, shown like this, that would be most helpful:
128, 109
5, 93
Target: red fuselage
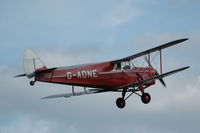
99, 75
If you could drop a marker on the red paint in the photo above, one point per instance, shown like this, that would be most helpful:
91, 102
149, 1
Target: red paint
94, 76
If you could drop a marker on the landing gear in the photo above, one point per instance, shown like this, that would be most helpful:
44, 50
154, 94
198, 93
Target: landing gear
120, 102
146, 98
32, 83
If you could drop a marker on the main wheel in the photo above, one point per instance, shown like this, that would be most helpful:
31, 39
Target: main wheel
146, 98
32, 83
120, 102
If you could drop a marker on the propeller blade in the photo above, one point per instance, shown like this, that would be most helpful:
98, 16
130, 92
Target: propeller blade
161, 80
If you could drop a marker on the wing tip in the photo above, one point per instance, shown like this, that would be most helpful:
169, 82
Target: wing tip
45, 98
180, 40
49, 97
186, 67
21, 75
185, 39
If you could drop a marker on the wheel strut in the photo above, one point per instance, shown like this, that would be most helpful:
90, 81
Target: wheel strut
124, 92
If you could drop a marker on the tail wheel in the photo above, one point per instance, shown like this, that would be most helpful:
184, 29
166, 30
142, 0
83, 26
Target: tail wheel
120, 102
146, 98
32, 83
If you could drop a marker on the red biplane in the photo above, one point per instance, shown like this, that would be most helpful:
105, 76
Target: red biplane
112, 76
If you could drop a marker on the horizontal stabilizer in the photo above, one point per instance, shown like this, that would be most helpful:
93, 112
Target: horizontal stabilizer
67, 95
21, 75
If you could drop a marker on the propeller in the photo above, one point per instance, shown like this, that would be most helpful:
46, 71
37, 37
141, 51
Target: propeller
160, 79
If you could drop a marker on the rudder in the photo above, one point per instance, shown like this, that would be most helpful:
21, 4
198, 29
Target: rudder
32, 63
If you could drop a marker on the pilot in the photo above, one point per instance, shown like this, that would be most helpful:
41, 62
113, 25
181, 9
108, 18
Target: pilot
117, 66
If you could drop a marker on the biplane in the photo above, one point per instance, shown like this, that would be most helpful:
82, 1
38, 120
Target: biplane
111, 76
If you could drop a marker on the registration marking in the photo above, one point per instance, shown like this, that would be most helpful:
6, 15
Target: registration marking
82, 74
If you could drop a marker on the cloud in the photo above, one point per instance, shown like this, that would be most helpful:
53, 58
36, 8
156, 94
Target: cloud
77, 54
121, 13
30, 124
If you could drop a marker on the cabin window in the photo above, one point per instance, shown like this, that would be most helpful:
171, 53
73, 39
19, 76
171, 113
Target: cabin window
126, 65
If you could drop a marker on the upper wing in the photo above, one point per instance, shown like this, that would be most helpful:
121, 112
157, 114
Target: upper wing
155, 78
169, 44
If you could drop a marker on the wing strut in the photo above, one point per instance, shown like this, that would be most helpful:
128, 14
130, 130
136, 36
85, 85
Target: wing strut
160, 61
73, 90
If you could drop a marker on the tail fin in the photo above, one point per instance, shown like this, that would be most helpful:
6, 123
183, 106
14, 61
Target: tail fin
32, 63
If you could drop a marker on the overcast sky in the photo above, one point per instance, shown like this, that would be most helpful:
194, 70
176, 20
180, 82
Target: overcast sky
64, 32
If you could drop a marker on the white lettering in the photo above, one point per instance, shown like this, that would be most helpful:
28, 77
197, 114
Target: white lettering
84, 74
89, 73
95, 73
78, 74
69, 75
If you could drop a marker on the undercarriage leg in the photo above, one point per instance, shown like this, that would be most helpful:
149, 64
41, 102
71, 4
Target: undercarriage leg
141, 88
124, 92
